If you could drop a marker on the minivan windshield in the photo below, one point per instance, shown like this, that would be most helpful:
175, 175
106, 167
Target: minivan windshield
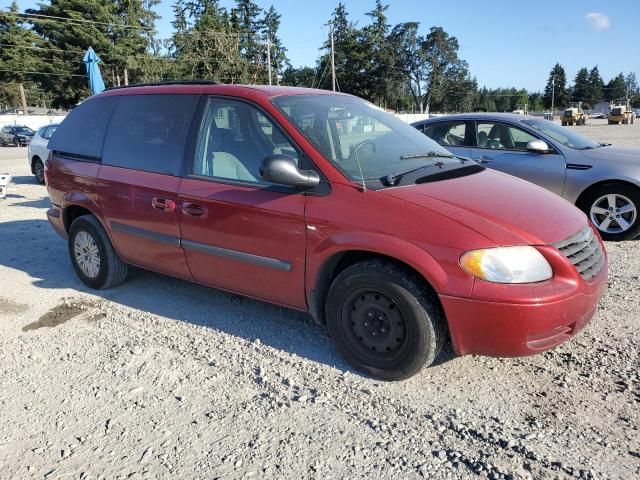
362, 140
563, 135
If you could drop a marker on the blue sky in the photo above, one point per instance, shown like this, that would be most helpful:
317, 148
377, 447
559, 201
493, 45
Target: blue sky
506, 42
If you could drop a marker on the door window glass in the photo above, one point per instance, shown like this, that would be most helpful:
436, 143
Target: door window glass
149, 132
499, 136
48, 133
446, 133
235, 137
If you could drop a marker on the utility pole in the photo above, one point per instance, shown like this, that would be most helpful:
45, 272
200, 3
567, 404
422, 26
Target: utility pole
553, 95
23, 99
269, 58
333, 62
126, 76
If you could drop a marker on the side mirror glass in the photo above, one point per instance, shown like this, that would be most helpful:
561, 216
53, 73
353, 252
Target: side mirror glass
538, 146
283, 169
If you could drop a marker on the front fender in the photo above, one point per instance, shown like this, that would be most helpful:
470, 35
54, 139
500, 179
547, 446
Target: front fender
430, 268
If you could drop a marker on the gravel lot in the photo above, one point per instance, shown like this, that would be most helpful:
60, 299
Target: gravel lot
160, 378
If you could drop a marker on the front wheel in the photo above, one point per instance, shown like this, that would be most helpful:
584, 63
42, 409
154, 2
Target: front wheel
384, 320
92, 255
614, 210
38, 170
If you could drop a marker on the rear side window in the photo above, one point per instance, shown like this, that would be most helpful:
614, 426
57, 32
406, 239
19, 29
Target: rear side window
82, 131
447, 133
149, 132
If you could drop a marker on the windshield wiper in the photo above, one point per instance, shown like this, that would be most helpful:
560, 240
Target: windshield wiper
431, 154
392, 179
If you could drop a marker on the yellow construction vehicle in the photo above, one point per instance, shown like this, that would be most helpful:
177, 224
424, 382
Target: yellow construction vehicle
620, 112
574, 115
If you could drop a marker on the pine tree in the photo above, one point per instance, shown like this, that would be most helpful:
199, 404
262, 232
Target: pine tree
581, 88
19, 55
616, 89
270, 25
561, 91
595, 86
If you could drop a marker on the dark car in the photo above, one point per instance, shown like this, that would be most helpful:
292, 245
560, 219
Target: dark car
17, 135
327, 204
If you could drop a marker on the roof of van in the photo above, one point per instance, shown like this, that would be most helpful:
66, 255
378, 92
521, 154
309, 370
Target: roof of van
212, 88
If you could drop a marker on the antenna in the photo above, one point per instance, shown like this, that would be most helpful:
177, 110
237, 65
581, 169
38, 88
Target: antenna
363, 188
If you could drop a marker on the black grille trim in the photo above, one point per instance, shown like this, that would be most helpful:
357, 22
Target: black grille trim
584, 252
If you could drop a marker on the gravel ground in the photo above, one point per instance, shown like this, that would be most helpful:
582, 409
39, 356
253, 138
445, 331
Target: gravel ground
160, 378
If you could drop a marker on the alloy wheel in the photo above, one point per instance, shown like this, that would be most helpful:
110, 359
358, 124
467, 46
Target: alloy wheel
613, 213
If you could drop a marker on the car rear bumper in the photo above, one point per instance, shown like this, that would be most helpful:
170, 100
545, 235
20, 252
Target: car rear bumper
54, 215
511, 330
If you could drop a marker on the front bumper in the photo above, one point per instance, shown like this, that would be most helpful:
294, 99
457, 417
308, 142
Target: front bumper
523, 327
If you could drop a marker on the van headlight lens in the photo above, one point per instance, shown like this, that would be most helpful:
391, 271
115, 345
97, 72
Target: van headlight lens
507, 265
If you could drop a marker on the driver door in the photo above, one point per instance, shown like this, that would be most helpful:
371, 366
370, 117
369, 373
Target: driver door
503, 147
239, 232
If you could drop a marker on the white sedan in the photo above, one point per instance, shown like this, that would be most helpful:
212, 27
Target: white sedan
38, 151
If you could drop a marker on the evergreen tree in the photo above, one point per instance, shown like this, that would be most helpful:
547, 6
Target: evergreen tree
581, 88
270, 25
19, 55
561, 91
596, 84
616, 88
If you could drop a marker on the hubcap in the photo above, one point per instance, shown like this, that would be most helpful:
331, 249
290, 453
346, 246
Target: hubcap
375, 322
87, 254
613, 213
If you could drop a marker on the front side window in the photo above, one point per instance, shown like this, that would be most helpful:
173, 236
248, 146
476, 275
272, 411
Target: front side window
149, 132
562, 135
446, 133
361, 140
235, 137
499, 136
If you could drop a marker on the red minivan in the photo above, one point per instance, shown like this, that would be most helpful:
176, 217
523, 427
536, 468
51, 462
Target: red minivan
324, 203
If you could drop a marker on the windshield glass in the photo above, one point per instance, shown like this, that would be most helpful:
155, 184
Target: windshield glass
22, 130
561, 134
352, 134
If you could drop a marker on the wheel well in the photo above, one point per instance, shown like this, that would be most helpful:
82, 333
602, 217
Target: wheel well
581, 199
335, 265
71, 213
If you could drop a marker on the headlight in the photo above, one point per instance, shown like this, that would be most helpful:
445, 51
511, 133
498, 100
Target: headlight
507, 265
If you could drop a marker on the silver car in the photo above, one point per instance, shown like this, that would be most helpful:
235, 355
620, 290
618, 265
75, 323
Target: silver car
600, 179
38, 151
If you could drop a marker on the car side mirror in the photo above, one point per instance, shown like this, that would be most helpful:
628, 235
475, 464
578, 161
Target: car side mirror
283, 169
538, 146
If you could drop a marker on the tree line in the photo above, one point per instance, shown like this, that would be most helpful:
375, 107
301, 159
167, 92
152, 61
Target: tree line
402, 67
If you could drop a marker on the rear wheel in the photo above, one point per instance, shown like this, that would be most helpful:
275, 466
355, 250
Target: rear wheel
385, 321
92, 255
38, 170
614, 210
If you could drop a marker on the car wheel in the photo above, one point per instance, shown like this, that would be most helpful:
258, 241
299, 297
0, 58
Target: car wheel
615, 211
384, 320
16, 142
92, 254
38, 170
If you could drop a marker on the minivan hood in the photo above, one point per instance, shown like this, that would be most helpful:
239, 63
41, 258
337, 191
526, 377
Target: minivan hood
611, 154
506, 209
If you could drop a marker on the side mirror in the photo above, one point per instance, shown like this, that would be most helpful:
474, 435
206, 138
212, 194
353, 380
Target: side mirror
538, 146
282, 169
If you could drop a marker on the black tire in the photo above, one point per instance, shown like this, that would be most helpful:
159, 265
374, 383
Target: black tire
16, 142
631, 193
38, 170
112, 270
410, 328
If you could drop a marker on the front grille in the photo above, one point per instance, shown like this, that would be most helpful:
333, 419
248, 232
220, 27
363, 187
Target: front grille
584, 252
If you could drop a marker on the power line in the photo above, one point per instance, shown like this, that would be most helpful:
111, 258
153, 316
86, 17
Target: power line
53, 18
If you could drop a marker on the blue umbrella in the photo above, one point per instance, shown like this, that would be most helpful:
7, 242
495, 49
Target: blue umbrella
91, 61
